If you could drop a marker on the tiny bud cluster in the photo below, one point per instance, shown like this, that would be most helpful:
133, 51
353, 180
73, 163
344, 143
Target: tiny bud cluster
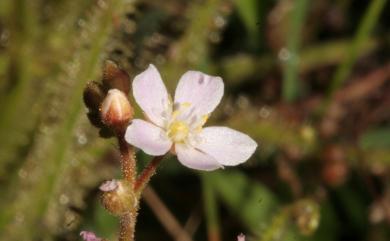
108, 106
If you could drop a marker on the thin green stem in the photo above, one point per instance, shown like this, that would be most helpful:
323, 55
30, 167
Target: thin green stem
365, 27
290, 89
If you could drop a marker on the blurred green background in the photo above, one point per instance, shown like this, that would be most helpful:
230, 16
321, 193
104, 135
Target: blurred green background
309, 80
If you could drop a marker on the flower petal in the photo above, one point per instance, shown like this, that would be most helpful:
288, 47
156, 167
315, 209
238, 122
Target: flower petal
148, 137
89, 236
241, 237
109, 186
151, 95
229, 147
202, 91
195, 159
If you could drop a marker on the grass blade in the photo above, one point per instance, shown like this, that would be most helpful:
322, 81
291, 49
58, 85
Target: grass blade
290, 87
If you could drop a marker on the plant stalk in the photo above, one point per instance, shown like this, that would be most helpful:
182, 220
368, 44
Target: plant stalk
144, 178
128, 161
128, 164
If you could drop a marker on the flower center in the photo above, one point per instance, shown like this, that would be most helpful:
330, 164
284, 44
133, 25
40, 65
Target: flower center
178, 131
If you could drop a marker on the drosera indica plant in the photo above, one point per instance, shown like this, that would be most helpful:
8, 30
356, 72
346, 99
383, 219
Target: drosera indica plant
170, 126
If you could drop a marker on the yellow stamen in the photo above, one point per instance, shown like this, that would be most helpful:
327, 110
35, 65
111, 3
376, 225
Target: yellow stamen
185, 104
203, 121
178, 131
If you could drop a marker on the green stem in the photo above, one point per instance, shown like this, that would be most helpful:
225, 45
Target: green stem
365, 27
290, 89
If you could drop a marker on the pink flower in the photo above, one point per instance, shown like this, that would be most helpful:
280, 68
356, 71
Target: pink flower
109, 186
178, 125
89, 236
241, 237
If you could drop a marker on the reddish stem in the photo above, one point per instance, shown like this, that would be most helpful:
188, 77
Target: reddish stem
146, 174
128, 163
127, 224
127, 160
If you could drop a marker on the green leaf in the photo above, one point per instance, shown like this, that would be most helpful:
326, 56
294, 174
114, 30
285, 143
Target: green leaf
290, 79
363, 32
251, 201
248, 12
375, 139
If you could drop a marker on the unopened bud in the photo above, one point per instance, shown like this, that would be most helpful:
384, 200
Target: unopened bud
95, 119
115, 78
116, 109
93, 95
118, 197
106, 132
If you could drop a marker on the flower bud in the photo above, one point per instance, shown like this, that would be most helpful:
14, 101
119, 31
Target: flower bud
116, 109
118, 197
95, 119
106, 132
93, 95
115, 78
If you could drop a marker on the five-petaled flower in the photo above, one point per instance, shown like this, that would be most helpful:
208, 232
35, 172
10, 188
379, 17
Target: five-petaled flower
178, 125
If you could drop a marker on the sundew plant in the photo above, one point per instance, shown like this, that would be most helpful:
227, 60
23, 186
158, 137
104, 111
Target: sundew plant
172, 126
217, 120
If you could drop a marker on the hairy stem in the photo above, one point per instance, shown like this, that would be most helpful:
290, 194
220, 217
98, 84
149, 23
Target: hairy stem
127, 226
127, 160
146, 174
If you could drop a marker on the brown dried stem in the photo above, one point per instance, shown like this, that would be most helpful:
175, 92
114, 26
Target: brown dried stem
166, 218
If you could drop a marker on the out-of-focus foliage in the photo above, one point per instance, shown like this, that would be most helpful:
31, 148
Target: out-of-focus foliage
309, 80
